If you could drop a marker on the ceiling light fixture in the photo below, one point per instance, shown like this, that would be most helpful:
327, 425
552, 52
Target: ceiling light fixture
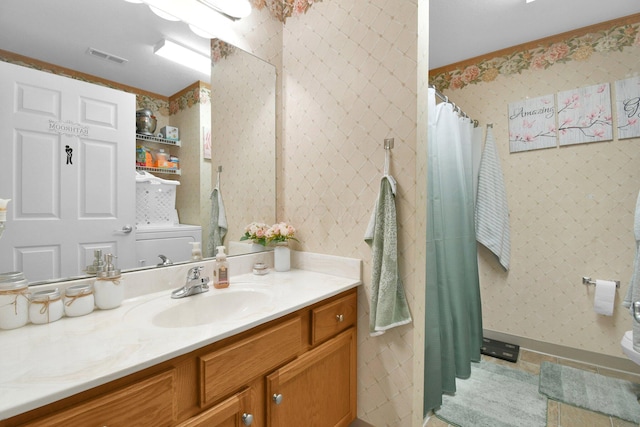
232, 9
183, 56
162, 14
200, 32
529, 1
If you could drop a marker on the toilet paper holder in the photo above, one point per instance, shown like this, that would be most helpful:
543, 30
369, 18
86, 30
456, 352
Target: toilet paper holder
587, 281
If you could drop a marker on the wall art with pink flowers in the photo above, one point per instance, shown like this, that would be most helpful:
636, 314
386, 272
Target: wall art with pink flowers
584, 115
628, 107
532, 124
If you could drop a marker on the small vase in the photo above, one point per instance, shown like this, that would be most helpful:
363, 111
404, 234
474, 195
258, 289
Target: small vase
281, 258
257, 247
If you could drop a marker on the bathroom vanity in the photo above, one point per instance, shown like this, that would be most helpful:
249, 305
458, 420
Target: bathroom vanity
288, 359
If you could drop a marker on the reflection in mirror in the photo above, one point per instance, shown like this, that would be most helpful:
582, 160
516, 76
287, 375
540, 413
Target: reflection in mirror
134, 29
243, 130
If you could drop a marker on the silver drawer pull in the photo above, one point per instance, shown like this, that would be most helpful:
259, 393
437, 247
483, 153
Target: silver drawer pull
277, 398
247, 419
340, 318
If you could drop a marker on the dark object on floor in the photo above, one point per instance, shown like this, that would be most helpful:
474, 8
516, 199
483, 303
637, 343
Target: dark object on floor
501, 350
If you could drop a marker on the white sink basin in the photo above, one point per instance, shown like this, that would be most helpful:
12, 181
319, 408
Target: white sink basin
215, 306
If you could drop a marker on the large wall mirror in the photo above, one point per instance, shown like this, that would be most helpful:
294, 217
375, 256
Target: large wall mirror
240, 118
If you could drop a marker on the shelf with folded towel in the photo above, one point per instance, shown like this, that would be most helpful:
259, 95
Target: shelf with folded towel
587, 281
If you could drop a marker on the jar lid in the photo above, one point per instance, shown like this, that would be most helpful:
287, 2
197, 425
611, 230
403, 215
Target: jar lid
49, 295
109, 274
13, 280
75, 290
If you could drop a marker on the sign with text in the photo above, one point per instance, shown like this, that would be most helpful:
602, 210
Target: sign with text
68, 128
532, 124
628, 107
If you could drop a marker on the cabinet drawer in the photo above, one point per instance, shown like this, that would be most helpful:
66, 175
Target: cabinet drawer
334, 317
150, 402
229, 413
226, 370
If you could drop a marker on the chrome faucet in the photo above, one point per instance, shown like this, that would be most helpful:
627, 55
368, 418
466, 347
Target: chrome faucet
165, 260
195, 284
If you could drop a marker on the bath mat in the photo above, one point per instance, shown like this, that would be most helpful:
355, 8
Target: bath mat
588, 390
495, 396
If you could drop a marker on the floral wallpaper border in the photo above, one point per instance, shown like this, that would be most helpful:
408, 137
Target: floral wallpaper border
577, 48
283, 9
194, 95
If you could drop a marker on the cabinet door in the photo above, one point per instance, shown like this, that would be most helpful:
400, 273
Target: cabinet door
318, 389
150, 402
233, 412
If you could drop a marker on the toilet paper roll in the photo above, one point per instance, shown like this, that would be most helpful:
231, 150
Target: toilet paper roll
605, 297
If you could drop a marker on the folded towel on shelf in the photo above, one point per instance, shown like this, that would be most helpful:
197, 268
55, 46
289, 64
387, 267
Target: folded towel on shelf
389, 307
218, 223
492, 212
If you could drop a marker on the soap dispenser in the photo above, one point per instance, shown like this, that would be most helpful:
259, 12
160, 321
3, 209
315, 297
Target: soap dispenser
108, 288
98, 263
196, 251
221, 270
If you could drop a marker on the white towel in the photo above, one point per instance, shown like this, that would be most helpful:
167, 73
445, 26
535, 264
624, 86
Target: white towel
389, 307
605, 297
635, 277
218, 224
492, 212
633, 294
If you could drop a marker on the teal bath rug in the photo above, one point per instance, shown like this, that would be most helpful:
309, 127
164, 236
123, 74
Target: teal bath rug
587, 390
495, 396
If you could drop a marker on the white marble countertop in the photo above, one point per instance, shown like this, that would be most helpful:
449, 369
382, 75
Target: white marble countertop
40, 364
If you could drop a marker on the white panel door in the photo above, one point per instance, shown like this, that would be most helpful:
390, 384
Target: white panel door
67, 149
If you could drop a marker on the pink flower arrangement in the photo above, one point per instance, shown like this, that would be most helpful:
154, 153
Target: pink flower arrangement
281, 233
256, 232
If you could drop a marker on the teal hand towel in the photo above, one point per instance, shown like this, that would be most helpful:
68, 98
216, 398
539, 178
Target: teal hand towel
218, 223
389, 307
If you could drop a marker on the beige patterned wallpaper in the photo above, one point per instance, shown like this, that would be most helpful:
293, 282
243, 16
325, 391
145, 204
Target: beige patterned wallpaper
243, 139
191, 114
349, 81
571, 210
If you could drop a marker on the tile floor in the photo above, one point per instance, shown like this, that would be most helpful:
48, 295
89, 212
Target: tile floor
560, 414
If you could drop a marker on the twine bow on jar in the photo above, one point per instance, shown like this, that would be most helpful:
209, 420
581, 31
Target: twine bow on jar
18, 293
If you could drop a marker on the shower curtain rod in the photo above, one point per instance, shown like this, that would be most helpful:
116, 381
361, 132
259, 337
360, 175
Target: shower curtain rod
445, 98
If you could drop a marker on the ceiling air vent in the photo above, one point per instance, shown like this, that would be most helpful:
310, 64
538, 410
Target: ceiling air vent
106, 56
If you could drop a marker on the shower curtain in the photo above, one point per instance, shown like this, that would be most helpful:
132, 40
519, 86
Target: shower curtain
453, 317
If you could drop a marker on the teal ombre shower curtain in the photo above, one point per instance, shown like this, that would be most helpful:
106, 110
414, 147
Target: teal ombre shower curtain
453, 315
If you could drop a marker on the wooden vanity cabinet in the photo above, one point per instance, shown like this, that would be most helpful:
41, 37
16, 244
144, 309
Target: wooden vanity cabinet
318, 388
308, 358
232, 412
151, 399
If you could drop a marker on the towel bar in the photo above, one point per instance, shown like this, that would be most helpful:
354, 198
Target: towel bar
587, 281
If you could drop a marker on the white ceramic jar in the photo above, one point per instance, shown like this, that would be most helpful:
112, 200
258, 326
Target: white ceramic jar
46, 307
78, 300
108, 287
109, 292
14, 300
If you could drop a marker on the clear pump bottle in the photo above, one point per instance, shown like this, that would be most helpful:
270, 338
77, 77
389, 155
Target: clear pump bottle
221, 271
